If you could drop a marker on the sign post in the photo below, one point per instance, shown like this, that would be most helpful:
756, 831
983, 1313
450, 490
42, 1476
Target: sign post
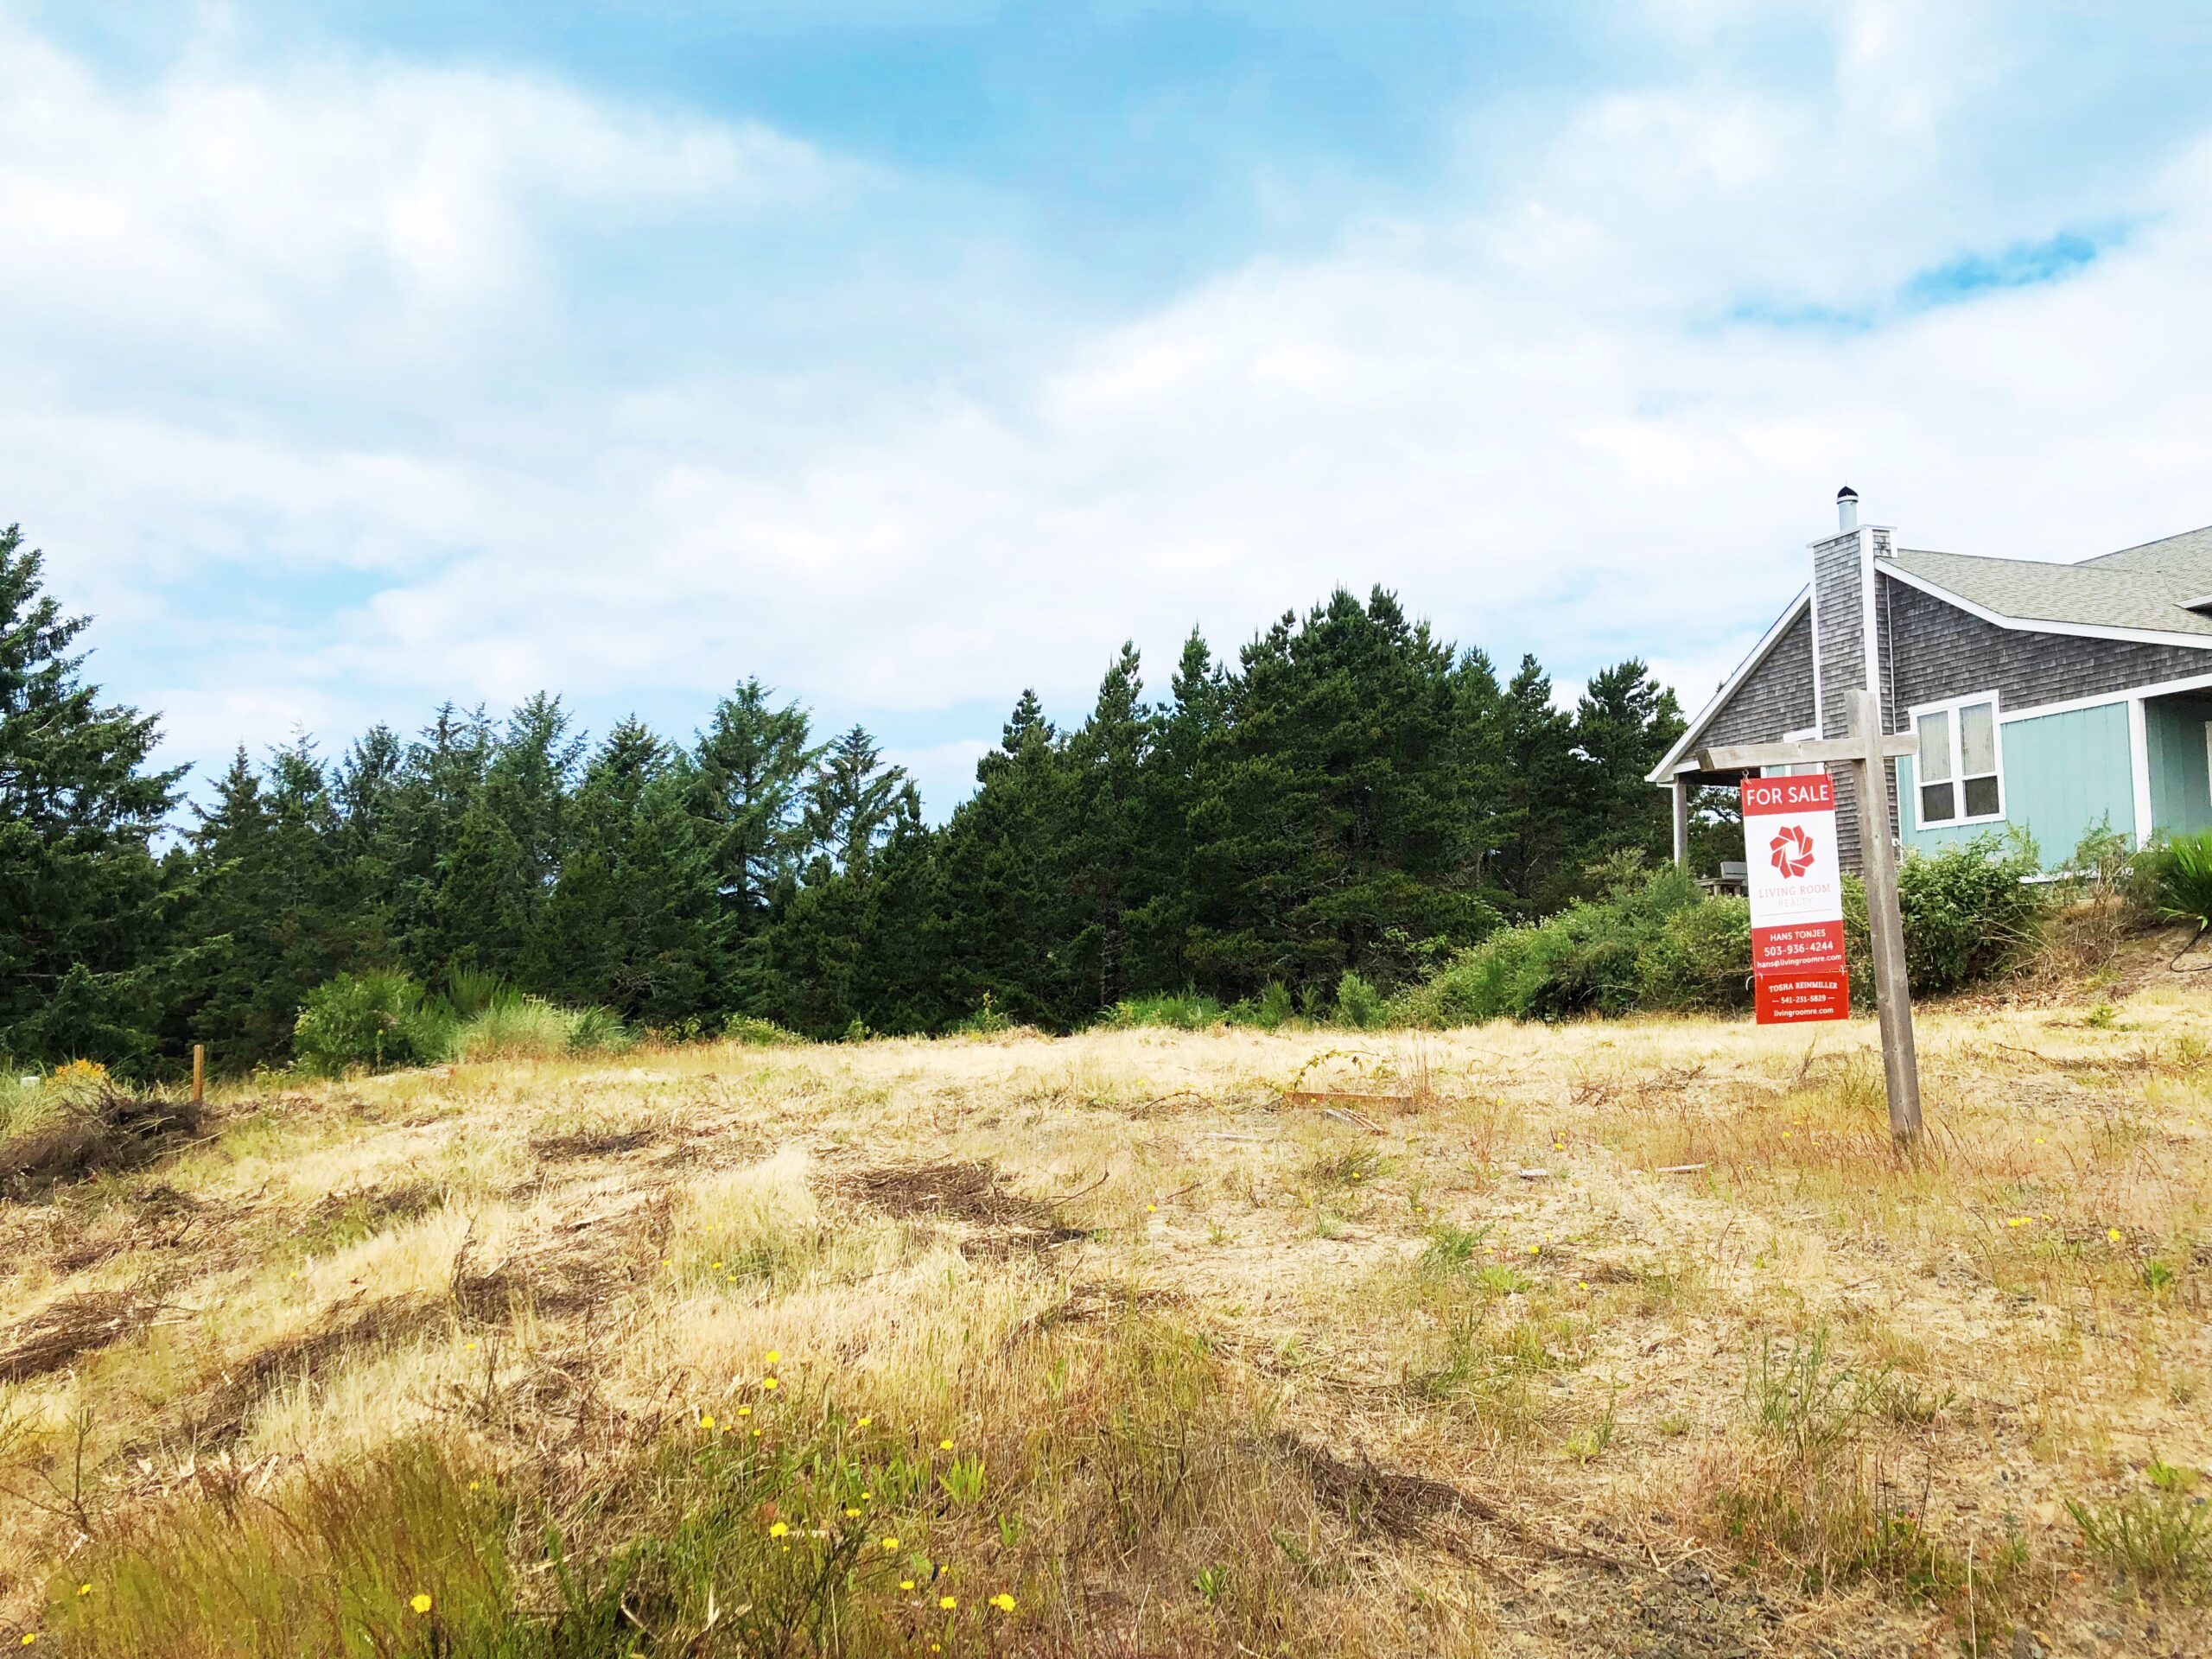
1795, 976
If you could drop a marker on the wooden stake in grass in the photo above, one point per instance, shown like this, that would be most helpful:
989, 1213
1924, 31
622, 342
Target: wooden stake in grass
199, 1073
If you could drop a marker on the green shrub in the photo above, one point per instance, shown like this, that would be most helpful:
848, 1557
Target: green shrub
1968, 912
372, 1020
1269, 1011
1359, 1005
598, 1031
989, 1021
2181, 869
1179, 1011
759, 1034
1700, 959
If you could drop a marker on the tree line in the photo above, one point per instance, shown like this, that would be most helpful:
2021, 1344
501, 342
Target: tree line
1351, 794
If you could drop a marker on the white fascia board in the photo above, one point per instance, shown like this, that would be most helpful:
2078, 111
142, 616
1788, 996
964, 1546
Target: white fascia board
1663, 773
2038, 624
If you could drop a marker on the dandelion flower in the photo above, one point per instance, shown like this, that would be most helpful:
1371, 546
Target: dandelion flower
717, 1266
30, 1637
867, 1497
1151, 1209
905, 1584
774, 1359
777, 1530
852, 1515
2112, 1233
1003, 1602
1534, 1250
864, 1422
707, 1421
84, 1589
768, 1383
474, 1485
948, 1602
944, 1446
890, 1543
421, 1604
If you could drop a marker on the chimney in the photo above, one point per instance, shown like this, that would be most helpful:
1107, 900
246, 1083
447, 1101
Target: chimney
1846, 509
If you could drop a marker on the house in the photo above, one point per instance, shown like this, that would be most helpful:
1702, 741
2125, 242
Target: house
2055, 698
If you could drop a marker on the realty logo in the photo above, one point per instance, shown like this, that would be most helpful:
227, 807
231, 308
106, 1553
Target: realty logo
1792, 850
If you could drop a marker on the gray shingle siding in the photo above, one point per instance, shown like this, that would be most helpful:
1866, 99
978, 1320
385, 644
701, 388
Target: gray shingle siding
1933, 649
1774, 699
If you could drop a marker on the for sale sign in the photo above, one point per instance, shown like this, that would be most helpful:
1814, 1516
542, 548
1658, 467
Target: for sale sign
1796, 884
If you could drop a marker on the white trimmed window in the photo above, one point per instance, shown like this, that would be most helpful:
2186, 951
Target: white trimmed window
1961, 773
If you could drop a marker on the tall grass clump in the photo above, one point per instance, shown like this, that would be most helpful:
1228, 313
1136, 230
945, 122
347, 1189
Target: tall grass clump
513, 1027
1271, 1010
1176, 1011
2181, 873
371, 1022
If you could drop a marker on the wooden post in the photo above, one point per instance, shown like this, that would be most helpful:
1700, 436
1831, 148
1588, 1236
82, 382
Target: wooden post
1884, 923
199, 1073
1681, 823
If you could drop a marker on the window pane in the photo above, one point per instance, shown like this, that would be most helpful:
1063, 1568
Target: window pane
1935, 749
1936, 803
1981, 797
1977, 739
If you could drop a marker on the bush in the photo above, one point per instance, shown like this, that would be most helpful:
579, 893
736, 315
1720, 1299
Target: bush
1183, 1011
1269, 1011
1701, 958
1968, 912
756, 1032
1359, 1005
371, 1020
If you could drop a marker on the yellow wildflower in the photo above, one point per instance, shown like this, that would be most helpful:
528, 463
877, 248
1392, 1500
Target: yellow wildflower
864, 1422
948, 1602
2112, 1233
707, 1421
944, 1446
890, 1543
777, 1530
1003, 1602
905, 1584
421, 1604
774, 1359
30, 1637
84, 1589
852, 1515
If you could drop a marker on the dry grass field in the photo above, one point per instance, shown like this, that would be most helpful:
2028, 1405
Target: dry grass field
1138, 1344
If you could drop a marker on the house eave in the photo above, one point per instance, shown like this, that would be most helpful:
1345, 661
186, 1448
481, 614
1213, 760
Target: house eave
2043, 625
1663, 773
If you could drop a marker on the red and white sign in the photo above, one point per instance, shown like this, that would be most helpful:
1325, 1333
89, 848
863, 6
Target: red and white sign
1796, 884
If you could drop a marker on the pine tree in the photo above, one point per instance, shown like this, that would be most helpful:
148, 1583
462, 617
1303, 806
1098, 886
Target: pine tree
1331, 819
1623, 726
82, 944
851, 801
750, 772
1103, 854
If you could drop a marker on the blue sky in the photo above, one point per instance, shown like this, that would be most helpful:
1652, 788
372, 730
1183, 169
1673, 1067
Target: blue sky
908, 353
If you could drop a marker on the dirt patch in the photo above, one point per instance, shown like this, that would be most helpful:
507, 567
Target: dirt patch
591, 1143
969, 1193
116, 1131
218, 1415
74, 1326
1376, 1500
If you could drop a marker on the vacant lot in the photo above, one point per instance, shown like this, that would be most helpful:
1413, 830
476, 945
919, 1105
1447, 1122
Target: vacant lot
1626, 1338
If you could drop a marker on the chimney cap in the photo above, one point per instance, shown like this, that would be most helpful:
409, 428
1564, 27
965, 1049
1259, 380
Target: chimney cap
1846, 493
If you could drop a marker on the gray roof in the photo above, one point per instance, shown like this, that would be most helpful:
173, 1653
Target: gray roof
2147, 587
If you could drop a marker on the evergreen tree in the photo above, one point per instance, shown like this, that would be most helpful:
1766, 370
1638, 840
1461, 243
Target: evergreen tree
1535, 821
82, 923
1331, 817
851, 801
750, 772
481, 909
1623, 726
1107, 869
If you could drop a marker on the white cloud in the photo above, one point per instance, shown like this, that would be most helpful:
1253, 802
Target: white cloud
1532, 416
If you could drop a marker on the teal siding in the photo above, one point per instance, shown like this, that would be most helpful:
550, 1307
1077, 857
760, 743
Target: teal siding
2062, 773
2181, 780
